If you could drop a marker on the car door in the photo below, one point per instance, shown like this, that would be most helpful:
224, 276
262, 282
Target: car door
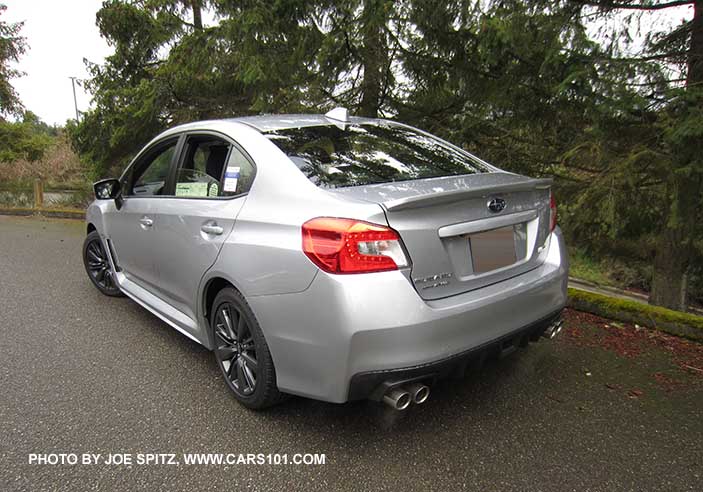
134, 227
211, 182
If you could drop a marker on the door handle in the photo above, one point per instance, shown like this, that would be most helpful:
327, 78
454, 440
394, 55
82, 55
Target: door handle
146, 222
213, 229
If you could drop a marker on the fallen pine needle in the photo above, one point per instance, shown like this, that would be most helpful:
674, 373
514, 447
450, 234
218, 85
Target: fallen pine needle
691, 367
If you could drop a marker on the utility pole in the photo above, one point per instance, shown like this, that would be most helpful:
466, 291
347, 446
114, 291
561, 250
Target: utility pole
75, 102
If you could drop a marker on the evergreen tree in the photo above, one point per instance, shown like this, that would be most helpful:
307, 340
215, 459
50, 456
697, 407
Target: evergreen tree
169, 68
358, 60
680, 120
12, 46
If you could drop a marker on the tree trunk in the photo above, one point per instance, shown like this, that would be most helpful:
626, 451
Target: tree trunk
197, 14
374, 56
694, 74
674, 249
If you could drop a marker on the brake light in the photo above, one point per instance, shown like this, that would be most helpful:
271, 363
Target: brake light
352, 246
552, 212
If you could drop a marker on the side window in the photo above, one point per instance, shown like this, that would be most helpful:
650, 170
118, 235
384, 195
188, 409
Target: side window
212, 167
151, 173
200, 174
239, 174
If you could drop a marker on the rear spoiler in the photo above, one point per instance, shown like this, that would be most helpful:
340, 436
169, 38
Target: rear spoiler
455, 195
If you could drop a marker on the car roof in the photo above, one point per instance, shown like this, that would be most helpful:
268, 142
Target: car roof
272, 122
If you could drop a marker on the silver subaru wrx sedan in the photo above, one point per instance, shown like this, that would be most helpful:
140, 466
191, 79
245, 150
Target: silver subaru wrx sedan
329, 256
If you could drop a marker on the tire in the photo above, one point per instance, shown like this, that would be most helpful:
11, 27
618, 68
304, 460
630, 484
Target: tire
241, 351
98, 267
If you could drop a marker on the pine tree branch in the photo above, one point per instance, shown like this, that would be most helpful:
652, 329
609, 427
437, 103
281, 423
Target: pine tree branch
656, 82
634, 6
659, 56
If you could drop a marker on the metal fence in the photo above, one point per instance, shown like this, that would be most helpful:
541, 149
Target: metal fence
43, 198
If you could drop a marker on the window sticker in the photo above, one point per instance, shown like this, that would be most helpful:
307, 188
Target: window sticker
191, 189
231, 178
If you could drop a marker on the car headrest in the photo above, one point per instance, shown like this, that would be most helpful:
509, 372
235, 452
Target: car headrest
216, 160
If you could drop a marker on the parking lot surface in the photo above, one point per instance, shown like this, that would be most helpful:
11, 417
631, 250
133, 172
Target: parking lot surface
600, 408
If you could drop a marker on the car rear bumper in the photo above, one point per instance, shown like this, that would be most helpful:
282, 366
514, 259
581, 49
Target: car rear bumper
373, 384
329, 341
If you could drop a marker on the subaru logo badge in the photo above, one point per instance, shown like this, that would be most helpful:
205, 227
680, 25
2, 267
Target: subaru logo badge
496, 205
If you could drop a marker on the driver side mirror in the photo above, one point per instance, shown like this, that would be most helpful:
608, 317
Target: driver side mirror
109, 189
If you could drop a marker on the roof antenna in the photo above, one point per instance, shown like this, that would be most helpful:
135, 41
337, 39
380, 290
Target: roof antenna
338, 114
339, 117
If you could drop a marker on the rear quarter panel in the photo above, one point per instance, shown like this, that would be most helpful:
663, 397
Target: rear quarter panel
263, 254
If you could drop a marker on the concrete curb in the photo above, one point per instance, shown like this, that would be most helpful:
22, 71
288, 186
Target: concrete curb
45, 212
673, 322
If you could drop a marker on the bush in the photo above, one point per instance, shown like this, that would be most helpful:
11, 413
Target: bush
58, 164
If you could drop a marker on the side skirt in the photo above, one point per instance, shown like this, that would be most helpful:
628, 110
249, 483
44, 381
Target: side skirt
176, 319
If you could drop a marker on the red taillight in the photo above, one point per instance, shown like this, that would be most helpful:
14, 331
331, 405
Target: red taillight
552, 212
352, 246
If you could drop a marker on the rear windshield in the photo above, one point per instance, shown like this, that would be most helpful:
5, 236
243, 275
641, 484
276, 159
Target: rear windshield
333, 157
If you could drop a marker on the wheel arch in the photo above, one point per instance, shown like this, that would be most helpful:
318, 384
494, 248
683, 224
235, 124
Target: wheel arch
90, 228
212, 287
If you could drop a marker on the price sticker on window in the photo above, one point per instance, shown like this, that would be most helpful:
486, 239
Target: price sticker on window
231, 178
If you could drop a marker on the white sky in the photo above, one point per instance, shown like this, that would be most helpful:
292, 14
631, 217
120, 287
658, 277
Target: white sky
61, 33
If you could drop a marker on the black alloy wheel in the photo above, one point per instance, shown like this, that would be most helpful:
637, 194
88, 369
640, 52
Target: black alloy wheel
235, 349
98, 267
241, 351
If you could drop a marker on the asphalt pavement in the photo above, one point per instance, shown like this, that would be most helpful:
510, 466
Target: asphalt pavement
84, 373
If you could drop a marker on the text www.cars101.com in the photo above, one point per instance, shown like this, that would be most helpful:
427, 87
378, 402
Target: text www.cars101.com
253, 459
129, 459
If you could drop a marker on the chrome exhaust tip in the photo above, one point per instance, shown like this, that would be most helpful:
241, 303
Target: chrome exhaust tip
419, 392
553, 329
398, 399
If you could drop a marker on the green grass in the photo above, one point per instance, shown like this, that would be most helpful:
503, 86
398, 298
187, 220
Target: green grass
586, 268
674, 322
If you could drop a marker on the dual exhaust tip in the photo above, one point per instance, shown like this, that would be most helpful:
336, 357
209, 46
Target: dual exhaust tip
400, 398
553, 329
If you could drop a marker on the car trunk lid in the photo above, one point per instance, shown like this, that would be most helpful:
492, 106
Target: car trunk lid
465, 232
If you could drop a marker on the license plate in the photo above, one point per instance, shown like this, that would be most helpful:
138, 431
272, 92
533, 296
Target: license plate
493, 249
